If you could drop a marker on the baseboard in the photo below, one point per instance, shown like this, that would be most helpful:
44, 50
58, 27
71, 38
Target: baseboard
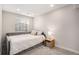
68, 49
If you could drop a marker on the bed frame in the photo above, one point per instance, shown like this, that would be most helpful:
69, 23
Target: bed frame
6, 43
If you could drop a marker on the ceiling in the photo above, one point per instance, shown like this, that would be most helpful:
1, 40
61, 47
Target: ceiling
30, 9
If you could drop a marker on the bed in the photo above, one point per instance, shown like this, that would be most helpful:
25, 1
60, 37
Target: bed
17, 42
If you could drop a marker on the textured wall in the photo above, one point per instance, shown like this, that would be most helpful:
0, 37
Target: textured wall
10, 19
64, 24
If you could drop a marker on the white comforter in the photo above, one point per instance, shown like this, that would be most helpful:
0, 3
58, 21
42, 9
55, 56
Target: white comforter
22, 42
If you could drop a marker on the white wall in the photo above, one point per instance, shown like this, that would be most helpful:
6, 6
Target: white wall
64, 23
0, 26
10, 19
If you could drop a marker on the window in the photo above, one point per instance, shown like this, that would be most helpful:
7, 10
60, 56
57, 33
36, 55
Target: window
22, 27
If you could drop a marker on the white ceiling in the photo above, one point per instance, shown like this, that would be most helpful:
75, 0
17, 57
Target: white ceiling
30, 9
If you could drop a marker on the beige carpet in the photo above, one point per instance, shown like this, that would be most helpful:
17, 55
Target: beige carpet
43, 50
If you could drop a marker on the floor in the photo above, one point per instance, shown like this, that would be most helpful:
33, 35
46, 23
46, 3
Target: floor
43, 50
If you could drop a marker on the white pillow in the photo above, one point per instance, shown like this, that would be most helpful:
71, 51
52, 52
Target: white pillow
33, 32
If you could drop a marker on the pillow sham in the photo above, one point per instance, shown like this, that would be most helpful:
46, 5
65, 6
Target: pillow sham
33, 32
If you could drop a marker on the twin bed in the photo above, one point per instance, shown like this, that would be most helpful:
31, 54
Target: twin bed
17, 42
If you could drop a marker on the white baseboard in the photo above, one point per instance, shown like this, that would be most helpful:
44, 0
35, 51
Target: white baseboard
68, 49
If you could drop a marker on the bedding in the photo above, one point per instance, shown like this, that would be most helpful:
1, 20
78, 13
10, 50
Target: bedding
22, 42
33, 32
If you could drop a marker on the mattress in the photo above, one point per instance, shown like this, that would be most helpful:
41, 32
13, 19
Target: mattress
22, 42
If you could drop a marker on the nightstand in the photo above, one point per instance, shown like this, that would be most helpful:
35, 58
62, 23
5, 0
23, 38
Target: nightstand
50, 42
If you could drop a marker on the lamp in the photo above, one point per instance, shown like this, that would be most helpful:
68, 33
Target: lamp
49, 33
51, 30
